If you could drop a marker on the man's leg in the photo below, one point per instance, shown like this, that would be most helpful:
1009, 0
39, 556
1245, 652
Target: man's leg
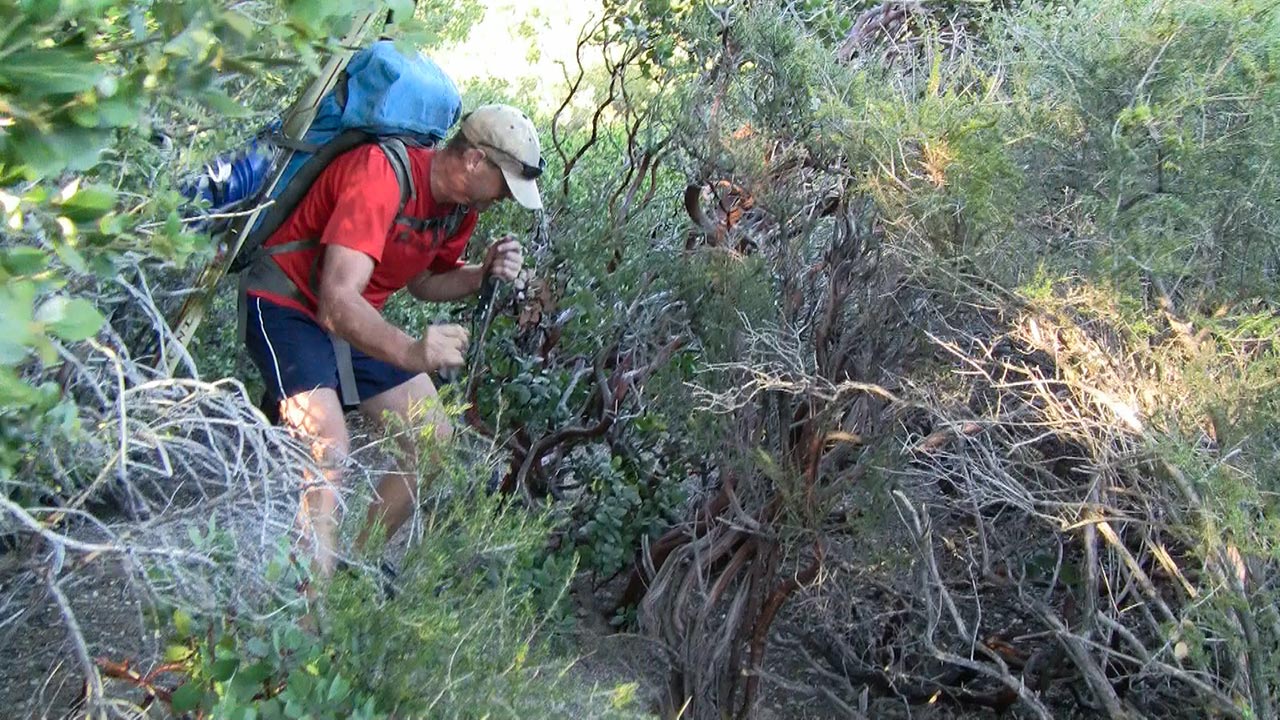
413, 406
297, 363
316, 417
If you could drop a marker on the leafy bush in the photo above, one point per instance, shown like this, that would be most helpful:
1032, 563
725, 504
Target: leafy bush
624, 505
1155, 125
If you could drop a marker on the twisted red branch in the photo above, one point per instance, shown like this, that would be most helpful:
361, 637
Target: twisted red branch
123, 671
765, 621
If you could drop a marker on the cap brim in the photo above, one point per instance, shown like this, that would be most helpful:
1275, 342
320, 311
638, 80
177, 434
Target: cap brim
524, 191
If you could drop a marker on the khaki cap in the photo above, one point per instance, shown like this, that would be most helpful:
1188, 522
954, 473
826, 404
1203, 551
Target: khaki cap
508, 138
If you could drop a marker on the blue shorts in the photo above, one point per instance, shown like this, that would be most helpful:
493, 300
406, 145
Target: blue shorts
295, 355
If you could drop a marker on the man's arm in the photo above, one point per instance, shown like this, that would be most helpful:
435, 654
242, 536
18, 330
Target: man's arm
503, 260
344, 312
446, 287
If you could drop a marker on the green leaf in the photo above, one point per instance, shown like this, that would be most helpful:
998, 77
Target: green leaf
187, 698
256, 672
84, 115
89, 203
292, 639
257, 647
270, 709
118, 111
17, 310
182, 623
50, 71
401, 8
222, 104
520, 395
226, 648
73, 319
238, 23
67, 253
41, 153
338, 688
223, 669
25, 260
16, 392
176, 653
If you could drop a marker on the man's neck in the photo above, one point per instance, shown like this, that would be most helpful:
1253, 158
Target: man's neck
439, 179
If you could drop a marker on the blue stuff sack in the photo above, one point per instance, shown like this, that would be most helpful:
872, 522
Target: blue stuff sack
391, 94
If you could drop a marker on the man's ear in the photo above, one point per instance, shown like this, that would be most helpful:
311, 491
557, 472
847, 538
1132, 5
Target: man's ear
472, 158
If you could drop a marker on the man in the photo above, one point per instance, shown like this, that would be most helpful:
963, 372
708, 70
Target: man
365, 254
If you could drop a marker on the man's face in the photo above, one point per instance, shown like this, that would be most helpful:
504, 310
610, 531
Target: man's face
485, 184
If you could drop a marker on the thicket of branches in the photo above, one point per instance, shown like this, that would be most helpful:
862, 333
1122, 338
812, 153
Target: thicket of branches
882, 358
965, 451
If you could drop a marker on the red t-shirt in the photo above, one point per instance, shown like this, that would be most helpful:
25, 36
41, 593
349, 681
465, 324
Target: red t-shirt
353, 203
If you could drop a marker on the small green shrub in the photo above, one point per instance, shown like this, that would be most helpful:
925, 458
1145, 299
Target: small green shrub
470, 633
626, 503
1159, 120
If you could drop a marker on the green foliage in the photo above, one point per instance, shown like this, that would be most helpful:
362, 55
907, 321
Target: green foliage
653, 25
84, 86
722, 293
780, 74
444, 21
251, 671
1231, 391
248, 670
828, 22
469, 634
1161, 118
938, 166
629, 501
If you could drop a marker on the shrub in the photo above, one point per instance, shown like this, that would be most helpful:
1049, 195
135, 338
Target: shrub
471, 632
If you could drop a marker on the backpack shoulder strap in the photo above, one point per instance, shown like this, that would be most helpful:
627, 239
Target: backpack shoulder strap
298, 186
398, 155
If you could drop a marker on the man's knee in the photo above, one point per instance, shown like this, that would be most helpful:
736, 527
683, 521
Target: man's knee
317, 417
414, 404
330, 454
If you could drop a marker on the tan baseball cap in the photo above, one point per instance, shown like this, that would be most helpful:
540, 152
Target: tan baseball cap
509, 140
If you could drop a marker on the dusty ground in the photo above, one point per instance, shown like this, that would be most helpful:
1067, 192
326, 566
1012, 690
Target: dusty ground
40, 677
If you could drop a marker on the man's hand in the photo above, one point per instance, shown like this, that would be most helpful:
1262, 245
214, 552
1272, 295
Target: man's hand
441, 347
504, 258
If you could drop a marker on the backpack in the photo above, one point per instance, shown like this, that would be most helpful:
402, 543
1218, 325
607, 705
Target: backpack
383, 97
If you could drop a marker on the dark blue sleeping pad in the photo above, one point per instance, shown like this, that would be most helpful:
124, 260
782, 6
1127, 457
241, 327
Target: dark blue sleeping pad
228, 182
